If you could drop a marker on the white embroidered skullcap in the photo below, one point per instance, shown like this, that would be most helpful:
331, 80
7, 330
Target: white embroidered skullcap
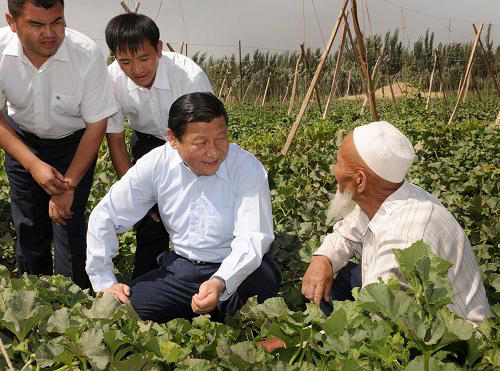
386, 151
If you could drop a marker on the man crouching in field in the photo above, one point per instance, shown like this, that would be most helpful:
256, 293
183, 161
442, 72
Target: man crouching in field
382, 212
214, 201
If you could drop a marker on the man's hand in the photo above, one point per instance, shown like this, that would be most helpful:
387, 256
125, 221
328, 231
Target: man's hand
317, 282
52, 181
60, 207
121, 291
207, 297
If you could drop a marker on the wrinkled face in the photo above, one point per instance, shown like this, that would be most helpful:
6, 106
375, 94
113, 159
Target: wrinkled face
203, 146
40, 30
141, 66
342, 169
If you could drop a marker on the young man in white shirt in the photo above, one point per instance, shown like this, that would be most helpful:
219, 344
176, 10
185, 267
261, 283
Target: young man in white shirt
213, 198
388, 213
58, 96
146, 82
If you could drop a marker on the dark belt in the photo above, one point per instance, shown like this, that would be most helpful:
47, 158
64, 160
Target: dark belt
166, 258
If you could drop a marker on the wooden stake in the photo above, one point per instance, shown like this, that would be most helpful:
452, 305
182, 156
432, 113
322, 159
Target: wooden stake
170, 47
267, 87
356, 56
467, 83
348, 84
228, 95
6, 356
223, 84
374, 72
491, 71
137, 7
441, 85
181, 48
124, 6
393, 98
362, 52
247, 89
431, 81
294, 86
474, 85
308, 73
467, 73
322, 61
497, 122
333, 88
286, 94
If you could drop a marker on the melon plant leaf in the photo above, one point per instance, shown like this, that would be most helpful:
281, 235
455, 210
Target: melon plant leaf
106, 307
24, 313
53, 352
91, 342
417, 364
136, 362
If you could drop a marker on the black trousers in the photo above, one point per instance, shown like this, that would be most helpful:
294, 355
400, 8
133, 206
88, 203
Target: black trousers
165, 293
347, 278
29, 205
151, 237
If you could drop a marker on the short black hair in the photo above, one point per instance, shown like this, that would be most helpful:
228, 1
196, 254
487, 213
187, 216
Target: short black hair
194, 107
16, 6
127, 32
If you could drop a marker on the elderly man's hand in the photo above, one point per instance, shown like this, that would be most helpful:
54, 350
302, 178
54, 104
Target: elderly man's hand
207, 297
121, 291
317, 282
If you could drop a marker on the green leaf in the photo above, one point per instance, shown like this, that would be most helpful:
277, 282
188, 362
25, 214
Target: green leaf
170, 351
136, 362
417, 364
105, 307
92, 346
336, 323
52, 352
24, 313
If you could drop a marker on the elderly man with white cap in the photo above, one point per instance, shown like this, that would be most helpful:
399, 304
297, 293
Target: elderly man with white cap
381, 213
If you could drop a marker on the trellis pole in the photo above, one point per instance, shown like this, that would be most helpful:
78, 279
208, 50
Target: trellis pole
441, 84
294, 86
374, 72
333, 88
309, 93
431, 81
170, 47
362, 52
393, 98
267, 87
467, 73
489, 68
308, 73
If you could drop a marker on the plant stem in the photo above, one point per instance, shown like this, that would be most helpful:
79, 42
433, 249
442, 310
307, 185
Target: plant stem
426, 360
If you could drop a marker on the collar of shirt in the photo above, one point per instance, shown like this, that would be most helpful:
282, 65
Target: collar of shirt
177, 161
379, 220
15, 48
161, 79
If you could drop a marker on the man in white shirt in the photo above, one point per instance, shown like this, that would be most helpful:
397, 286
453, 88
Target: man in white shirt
388, 213
58, 98
213, 198
146, 82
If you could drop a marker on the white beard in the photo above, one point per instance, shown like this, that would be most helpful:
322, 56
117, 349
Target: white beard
341, 205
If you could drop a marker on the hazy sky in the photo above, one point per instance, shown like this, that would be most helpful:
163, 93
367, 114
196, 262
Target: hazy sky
215, 26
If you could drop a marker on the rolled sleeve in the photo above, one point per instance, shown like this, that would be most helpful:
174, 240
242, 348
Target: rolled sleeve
127, 202
344, 242
253, 228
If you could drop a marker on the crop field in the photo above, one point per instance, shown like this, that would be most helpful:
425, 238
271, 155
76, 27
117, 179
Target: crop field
48, 323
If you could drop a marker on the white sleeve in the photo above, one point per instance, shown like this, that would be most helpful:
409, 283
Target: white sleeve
344, 242
253, 227
116, 122
98, 101
127, 202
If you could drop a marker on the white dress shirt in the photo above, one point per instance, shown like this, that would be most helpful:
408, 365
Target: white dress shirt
225, 217
147, 109
70, 89
408, 215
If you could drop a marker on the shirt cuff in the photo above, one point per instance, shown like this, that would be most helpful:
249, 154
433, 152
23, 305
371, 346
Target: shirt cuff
102, 281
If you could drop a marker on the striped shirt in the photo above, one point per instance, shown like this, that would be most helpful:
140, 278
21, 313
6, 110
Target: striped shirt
406, 216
